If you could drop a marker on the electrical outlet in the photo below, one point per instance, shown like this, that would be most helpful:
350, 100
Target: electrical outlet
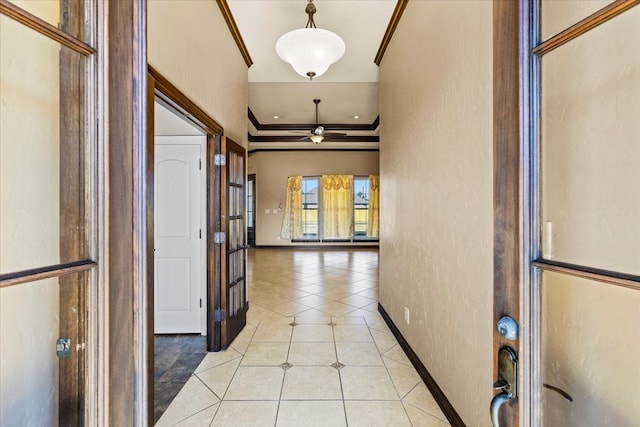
406, 315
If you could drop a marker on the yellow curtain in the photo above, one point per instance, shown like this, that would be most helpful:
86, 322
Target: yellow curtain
373, 225
292, 221
337, 206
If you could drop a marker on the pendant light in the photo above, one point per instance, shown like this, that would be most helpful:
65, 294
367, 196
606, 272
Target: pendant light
310, 50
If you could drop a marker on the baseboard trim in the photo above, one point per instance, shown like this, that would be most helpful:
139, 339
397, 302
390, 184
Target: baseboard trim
447, 408
316, 246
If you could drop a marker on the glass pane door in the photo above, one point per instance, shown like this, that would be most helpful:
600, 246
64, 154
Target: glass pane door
589, 220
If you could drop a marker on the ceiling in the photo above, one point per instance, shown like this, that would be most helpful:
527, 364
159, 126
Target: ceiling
347, 89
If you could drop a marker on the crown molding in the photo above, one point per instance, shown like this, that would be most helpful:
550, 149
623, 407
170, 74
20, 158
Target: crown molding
235, 32
298, 138
306, 150
391, 28
306, 126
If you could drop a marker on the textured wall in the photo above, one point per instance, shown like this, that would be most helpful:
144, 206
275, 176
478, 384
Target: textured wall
189, 44
29, 212
436, 194
273, 168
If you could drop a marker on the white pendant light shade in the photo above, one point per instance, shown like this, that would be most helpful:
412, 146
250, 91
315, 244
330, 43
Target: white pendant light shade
310, 51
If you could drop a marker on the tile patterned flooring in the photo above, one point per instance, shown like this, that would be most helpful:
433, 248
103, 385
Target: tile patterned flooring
176, 357
315, 352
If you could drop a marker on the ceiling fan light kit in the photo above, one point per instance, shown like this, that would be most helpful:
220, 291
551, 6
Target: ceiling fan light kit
310, 50
316, 138
317, 134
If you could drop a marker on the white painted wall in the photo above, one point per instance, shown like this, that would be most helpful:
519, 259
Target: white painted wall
272, 168
29, 216
436, 217
189, 44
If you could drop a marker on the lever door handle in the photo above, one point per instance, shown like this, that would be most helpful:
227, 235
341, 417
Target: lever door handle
496, 403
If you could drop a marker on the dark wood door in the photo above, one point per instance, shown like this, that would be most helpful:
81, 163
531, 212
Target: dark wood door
552, 81
234, 250
251, 211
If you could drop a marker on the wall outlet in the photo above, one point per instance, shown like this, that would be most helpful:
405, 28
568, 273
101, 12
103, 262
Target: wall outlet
406, 315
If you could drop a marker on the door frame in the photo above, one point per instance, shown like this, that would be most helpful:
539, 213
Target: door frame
160, 87
512, 197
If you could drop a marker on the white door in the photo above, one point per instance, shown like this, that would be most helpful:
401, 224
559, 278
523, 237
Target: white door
178, 234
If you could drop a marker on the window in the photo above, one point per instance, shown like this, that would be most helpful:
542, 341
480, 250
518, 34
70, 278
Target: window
310, 190
360, 207
331, 208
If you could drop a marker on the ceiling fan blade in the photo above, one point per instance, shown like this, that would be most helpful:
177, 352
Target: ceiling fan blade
329, 134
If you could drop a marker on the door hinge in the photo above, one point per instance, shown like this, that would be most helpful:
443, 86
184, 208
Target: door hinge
219, 315
219, 160
200, 164
63, 347
200, 302
200, 233
219, 237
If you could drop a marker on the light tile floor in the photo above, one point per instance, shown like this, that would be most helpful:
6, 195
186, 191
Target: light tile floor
315, 352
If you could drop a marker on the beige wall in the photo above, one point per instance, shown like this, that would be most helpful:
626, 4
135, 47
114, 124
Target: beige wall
272, 168
436, 194
29, 218
189, 44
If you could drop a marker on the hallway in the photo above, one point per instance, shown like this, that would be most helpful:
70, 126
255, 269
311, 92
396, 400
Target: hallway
315, 352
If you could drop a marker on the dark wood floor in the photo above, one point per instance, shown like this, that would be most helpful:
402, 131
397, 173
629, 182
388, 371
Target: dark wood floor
176, 358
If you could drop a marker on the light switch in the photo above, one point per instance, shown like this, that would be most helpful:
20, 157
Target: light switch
267, 211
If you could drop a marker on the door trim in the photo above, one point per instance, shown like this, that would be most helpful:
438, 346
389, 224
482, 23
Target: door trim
161, 87
511, 192
127, 371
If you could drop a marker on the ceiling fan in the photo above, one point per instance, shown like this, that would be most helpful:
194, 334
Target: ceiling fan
317, 134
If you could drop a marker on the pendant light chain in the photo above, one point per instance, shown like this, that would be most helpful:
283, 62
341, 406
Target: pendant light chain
310, 10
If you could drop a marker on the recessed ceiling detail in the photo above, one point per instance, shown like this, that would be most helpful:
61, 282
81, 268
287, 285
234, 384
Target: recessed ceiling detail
348, 89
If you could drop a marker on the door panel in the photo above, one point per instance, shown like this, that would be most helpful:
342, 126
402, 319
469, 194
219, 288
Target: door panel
590, 145
178, 255
565, 199
234, 292
588, 212
251, 209
590, 342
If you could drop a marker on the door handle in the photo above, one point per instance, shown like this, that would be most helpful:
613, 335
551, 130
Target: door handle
507, 382
497, 401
